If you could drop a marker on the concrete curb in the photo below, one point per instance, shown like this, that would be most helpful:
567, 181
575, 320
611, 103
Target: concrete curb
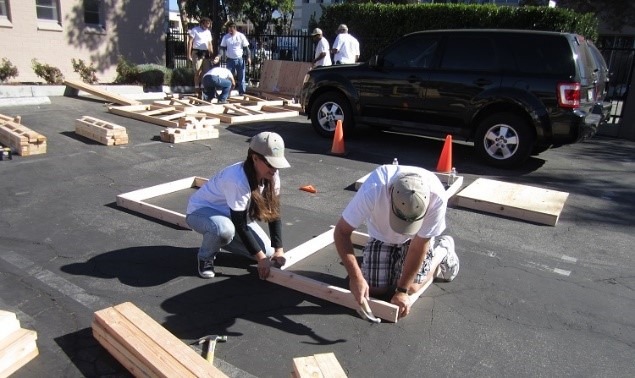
16, 95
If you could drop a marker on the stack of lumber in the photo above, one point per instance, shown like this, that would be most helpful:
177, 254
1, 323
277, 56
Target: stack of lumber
17, 345
100, 131
316, 366
144, 347
22, 140
189, 129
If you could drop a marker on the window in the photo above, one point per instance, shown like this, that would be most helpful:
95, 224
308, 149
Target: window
414, 52
470, 53
92, 14
4, 12
47, 10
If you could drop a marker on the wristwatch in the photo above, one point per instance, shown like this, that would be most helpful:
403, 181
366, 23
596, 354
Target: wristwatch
401, 290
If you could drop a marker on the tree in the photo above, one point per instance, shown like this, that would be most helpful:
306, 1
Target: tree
259, 12
614, 13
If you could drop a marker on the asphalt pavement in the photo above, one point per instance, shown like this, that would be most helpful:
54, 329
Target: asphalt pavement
530, 300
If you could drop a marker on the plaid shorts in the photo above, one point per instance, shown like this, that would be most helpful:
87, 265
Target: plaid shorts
382, 263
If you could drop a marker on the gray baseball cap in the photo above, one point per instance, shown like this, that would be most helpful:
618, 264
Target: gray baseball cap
410, 197
271, 146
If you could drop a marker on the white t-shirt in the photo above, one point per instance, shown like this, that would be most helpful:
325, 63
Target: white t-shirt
200, 37
372, 204
347, 48
234, 44
221, 72
228, 189
323, 46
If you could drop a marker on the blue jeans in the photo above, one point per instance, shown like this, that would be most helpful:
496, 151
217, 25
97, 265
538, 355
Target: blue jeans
213, 83
219, 231
237, 67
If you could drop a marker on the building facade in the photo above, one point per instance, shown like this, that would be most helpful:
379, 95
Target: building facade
96, 31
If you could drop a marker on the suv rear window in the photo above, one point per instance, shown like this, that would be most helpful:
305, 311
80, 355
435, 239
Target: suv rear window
542, 55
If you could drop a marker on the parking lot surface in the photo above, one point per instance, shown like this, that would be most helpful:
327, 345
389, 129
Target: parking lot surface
530, 300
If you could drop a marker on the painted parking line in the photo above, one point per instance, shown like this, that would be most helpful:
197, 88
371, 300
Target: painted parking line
54, 281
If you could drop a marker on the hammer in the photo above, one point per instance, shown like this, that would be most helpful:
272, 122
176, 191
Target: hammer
208, 349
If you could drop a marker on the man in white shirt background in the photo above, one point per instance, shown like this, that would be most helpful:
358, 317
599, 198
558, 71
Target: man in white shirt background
322, 54
234, 44
199, 47
346, 47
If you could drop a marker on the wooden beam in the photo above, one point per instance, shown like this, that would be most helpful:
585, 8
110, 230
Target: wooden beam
331, 293
96, 91
321, 365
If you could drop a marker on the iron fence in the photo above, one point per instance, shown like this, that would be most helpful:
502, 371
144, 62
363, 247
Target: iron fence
619, 52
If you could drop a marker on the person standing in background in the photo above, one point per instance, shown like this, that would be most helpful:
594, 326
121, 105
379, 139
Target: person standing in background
234, 44
322, 54
199, 48
346, 47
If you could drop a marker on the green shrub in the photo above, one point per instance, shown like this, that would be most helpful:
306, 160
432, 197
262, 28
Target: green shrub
50, 74
127, 73
87, 73
153, 75
7, 70
182, 77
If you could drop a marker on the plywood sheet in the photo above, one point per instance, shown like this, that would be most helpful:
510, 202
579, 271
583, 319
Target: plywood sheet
524, 202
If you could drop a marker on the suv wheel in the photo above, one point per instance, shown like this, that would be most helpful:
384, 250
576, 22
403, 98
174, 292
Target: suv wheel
327, 109
504, 140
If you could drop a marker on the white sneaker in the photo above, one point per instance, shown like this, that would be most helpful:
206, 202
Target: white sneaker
449, 266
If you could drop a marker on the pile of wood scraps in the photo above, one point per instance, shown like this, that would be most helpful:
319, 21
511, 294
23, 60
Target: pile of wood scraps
189, 130
22, 140
100, 131
17, 345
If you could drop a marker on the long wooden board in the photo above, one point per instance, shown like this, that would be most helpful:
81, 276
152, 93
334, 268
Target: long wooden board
96, 91
17, 345
524, 202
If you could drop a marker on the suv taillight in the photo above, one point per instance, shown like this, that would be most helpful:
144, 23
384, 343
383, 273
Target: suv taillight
569, 95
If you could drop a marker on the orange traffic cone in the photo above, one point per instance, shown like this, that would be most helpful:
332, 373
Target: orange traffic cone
445, 160
338, 139
309, 188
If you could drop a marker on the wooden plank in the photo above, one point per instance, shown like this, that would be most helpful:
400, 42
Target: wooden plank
329, 365
307, 248
135, 200
517, 201
331, 293
306, 367
198, 366
16, 349
96, 91
136, 112
126, 358
126, 335
9, 323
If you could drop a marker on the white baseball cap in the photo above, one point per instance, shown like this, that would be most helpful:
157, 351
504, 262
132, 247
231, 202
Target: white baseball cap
271, 146
410, 197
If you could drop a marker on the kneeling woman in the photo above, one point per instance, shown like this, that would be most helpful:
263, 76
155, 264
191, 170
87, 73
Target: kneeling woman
234, 199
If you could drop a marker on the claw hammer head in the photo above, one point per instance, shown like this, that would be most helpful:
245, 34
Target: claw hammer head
211, 341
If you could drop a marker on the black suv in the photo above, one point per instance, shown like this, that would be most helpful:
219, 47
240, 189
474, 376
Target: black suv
512, 92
